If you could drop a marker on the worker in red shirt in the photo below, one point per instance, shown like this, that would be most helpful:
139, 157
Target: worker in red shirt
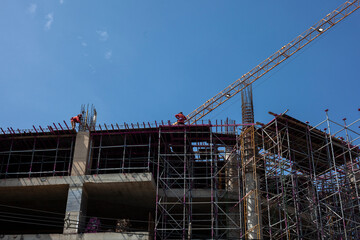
180, 118
76, 119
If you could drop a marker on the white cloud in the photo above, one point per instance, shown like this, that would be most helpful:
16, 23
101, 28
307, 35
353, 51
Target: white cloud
49, 20
32, 8
61, 1
103, 35
84, 44
92, 69
108, 54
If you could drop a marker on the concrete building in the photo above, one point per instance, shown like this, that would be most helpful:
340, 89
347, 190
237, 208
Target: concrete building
159, 181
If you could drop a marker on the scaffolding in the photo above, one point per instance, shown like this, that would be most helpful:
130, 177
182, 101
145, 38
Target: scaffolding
282, 180
198, 183
310, 186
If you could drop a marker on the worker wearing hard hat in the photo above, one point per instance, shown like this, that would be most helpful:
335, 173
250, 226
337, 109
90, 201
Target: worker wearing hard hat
180, 118
76, 119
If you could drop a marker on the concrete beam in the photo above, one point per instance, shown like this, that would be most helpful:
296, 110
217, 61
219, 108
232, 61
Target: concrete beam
76, 180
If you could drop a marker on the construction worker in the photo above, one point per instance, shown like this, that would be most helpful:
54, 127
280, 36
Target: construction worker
180, 118
76, 119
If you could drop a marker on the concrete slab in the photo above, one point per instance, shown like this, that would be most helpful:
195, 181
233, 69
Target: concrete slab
198, 193
85, 236
77, 180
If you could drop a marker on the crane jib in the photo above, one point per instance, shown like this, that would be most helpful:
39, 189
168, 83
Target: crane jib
274, 60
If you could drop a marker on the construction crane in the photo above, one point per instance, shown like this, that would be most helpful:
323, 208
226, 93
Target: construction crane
251, 169
244, 83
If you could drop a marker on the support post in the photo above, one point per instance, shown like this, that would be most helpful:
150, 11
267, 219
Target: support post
76, 207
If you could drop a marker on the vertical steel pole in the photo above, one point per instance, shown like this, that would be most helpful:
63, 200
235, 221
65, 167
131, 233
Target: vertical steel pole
148, 163
88, 165
336, 175
157, 187
314, 180
266, 182
9, 157
184, 190
212, 186
56, 155
32, 157
71, 157
281, 176
124, 152
294, 187
353, 177
348, 141
99, 156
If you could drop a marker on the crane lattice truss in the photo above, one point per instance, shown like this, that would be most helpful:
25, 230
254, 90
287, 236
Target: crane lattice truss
274, 60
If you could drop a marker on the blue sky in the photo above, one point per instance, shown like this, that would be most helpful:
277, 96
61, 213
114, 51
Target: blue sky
140, 61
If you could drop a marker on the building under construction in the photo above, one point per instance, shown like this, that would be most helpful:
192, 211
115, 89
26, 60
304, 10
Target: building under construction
159, 181
286, 179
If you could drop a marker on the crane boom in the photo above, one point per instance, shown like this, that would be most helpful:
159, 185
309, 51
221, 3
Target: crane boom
274, 60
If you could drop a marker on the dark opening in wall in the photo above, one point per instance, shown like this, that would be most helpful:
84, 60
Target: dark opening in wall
32, 210
109, 203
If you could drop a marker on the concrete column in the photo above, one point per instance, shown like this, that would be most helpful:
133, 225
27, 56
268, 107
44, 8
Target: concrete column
77, 197
75, 209
81, 154
252, 199
232, 180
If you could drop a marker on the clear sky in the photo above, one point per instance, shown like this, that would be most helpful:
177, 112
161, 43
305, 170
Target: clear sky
140, 61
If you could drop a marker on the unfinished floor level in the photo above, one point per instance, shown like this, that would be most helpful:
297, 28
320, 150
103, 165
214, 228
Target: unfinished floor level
214, 180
